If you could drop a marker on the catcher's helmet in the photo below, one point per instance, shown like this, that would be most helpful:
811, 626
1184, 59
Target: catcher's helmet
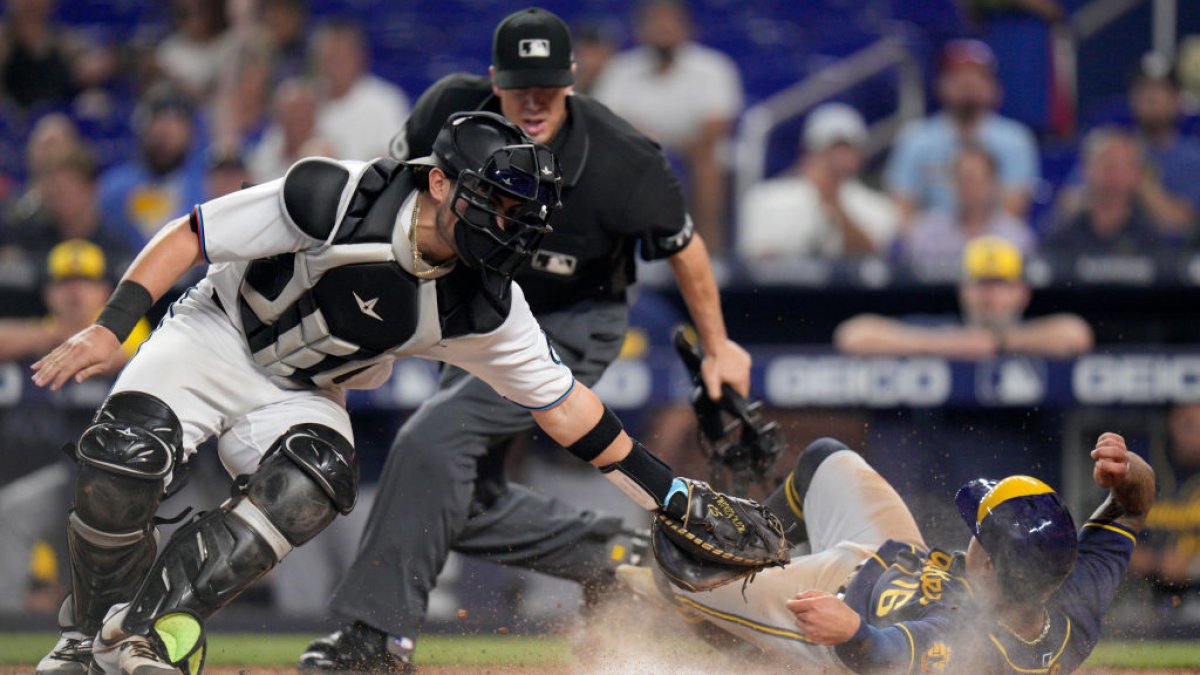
488, 157
1025, 528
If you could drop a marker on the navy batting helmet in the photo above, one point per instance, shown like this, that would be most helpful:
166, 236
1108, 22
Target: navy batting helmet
1025, 528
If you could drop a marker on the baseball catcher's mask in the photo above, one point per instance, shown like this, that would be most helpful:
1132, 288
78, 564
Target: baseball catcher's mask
1024, 526
506, 187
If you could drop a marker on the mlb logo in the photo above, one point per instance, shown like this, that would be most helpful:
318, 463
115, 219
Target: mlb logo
534, 49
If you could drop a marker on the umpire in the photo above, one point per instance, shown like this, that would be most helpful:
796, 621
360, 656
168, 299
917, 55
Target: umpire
443, 487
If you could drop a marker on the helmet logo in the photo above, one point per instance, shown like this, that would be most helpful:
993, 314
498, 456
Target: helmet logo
534, 49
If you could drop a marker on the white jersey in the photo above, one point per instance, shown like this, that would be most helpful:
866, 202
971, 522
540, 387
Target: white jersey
326, 297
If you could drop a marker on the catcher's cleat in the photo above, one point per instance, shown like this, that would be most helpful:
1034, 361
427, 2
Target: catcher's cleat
72, 655
176, 645
358, 648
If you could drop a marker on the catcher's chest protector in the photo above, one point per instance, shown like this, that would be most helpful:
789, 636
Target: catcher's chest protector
322, 316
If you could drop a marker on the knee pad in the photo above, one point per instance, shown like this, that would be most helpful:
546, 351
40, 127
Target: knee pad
125, 458
308, 476
787, 501
812, 456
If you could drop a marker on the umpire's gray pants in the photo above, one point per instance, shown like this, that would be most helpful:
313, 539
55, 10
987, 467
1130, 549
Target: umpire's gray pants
443, 489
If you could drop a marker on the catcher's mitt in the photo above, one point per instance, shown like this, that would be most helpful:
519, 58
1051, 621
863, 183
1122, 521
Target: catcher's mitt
718, 530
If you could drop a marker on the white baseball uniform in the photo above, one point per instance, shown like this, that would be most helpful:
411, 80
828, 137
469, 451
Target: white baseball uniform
325, 315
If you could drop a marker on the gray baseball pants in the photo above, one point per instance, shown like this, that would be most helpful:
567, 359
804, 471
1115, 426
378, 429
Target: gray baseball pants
443, 489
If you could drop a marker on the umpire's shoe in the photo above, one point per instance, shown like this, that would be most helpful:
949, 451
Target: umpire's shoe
73, 653
358, 648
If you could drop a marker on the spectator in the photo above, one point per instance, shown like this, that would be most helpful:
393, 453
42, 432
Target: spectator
285, 22
595, 46
75, 291
1110, 218
67, 210
1189, 69
226, 172
360, 111
823, 209
683, 95
292, 133
992, 298
1168, 188
935, 246
919, 172
241, 105
166, 178
193, 55
54, 137
35, 61
1170, 554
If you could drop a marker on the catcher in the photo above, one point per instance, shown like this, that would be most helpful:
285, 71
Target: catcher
317, 283
1028, 596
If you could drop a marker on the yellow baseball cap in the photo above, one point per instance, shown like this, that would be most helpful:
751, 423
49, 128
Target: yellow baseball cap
991, 258
75, 259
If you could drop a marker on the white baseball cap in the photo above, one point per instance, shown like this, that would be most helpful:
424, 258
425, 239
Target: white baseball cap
833, 123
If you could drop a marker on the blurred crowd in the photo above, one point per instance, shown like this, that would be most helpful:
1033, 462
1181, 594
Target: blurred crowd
111, 141
234, 94
120, 138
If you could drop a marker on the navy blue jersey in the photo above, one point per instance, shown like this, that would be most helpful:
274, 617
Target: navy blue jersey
919, 613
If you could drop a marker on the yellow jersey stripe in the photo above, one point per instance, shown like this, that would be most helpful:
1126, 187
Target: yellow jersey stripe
1066, 639
1009, 661
1114, 528
742, 621
912, 646
1061, 649
793, 496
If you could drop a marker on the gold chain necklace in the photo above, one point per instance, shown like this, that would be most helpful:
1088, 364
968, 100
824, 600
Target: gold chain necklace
1034, 641
412, 237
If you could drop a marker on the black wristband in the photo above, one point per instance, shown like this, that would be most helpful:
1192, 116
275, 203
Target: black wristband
128, 304
642, 476
594, 442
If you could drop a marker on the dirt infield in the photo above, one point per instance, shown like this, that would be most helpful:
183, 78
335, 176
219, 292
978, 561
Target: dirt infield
578, 669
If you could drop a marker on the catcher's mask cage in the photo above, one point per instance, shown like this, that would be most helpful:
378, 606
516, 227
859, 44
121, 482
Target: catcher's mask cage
506, 188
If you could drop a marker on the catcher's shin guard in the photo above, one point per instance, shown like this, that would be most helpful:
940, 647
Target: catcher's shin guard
307, 477
787, 501
125, 459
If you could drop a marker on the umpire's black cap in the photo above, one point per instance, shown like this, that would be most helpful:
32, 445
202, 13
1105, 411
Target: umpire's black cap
532, 48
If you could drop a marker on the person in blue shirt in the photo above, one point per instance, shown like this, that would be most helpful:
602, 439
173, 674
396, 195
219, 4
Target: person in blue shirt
167, 177
1028, 595
919, 174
